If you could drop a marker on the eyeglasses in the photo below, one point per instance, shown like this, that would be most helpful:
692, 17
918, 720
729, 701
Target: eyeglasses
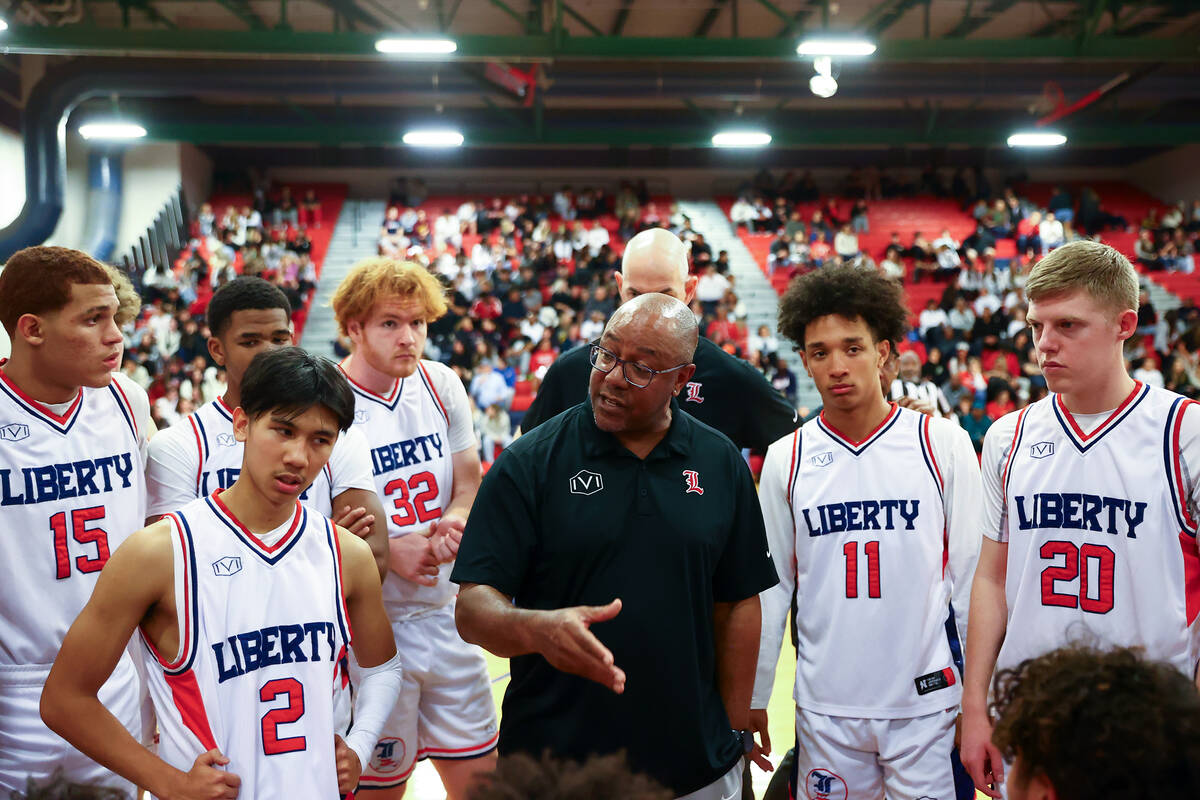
635, 374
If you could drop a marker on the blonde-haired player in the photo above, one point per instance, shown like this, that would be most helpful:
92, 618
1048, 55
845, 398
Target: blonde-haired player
417, 418
1090, 498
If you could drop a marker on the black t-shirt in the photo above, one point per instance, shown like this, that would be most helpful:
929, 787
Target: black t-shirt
726, 393
567, 516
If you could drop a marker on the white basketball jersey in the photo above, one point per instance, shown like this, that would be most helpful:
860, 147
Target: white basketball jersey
1100, 527
199, 455
860, 529
262, 631
71, 490
413, 431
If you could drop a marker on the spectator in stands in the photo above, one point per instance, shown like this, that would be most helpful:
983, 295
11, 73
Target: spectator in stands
495, 432
1147, 315
1146, 250
722, 262
858, 217
997, 220
1061, 205
392, 241
488, 387
1050, 231
911, 383
309, 212
961, 318
1177, 252
818, 225
820, 252
892, 266
701, 251
743, 213
764, 343
945, 249
1149, 373
981, 242
1028, 236
710, 289
930, 323
784, 380
845, 244
974, 421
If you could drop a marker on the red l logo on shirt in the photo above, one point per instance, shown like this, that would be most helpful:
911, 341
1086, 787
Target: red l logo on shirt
693, 482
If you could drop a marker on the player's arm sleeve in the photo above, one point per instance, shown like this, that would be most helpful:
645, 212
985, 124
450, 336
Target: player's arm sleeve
997, 443
498, 542
964, 512
172, 463
458, 408
350, 463
768, 415
781, 538
744, 568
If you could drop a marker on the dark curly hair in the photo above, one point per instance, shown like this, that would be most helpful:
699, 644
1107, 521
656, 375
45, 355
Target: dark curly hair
851, 292
1100, 724
521, 777
57, 787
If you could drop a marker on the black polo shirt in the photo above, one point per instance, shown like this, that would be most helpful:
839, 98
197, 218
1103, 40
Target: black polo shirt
725, 393
567, 516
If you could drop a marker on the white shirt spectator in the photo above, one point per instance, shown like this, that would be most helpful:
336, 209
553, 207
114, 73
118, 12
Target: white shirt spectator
481, 257
597, 237
986, 300
946, 250
446, 231
763, 344
892, 268
1149, 376
254, 220
845, 244
466, 212
563, 249
931, 318
532, 329
711, 287
961, 319
1051, 234
408, 219
488, 387
590, 329
742, 213
1172, 218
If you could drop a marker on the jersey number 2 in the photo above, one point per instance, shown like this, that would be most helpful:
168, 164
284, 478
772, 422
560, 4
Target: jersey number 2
1075, 564
294, 710
424, 489
81, 533
871, 550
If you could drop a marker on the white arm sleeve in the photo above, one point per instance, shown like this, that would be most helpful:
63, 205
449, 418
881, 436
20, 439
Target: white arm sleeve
378, 691
171, 464
996, 444
350, 464
458, 407
964, 512
781, 541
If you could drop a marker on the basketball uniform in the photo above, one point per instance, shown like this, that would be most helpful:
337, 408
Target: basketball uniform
876, 538
71, 490
262, 629
1099, 514
445, 708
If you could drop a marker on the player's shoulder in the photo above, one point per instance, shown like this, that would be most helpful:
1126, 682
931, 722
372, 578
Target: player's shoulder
706, 439
180, 436
131, 390
437, 372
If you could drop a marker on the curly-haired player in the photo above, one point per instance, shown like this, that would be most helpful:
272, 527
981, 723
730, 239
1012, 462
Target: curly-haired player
1079, 723
598, 778
872, 514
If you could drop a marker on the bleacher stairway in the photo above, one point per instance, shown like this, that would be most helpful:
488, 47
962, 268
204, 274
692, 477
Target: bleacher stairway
354, 238
751, 285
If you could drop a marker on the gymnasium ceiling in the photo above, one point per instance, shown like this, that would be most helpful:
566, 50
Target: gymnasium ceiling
625, 82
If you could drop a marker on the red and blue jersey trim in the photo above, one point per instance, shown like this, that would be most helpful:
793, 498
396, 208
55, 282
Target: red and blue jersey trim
927, 453
388, 401
1018, 433
188, 618
1084, 441
125, 406
857, 448
339, 600
61, 424
437, 401
272, 554
1174, 467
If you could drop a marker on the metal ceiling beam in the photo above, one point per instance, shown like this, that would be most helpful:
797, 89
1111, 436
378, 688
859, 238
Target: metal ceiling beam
710, 17
338, 133
82, 40
883, 17
622, 17
973, 22
242, 10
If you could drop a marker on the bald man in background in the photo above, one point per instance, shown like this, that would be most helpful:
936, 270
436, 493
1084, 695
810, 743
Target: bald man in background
615, 556
725, 392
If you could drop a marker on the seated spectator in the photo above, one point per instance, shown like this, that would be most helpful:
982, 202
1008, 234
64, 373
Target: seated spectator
592, 326
820, 252
743, 213
1172, 218
1149, 373
701, 251
488, 387
858, 217
392, 241
722, 262
1177, 252
784, 380
845, 243
794, 226
1028, 236
997, 221
309, 211
974, 420
981, 242
1061, 205
818, 226
763, 343
495, 432
999, 405
930, 323
286, 209
945, 249
1050, 231
710, 289
780, 259
892, 266
961, 318
1081, 723
1146, 249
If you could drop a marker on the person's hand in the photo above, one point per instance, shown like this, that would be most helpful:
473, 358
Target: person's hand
411, 556
563, 639
206, 781
916, 404
762, 748
980, 757
356, 520
348, 768
445, 535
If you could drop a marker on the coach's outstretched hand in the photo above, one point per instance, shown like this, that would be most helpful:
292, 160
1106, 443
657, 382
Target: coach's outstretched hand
206, 781
980, 757
564, 640
348, 768
413, 558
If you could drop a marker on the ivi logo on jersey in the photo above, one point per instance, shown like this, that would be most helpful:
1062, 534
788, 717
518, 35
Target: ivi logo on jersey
226, 439
822, 459
14, 432
229, 565
1041, 450
586, 482
360, 417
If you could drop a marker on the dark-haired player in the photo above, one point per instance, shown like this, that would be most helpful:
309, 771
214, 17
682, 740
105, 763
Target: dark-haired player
872, 514
72, 436
1079, 723
201, 454
244, 600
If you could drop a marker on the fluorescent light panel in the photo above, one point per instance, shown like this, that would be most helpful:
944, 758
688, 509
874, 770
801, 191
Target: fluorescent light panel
111, 130
403, 46
842, 48
433, 138
3, 24
1037, 139
741, 139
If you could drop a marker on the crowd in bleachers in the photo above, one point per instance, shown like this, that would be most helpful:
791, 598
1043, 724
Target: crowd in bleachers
974, 351
268, 235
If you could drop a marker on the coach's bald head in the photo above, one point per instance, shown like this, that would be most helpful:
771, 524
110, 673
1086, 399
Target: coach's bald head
655, 262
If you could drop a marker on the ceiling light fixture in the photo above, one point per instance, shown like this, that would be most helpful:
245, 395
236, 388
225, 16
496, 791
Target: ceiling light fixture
443, 137
3, 24
823, 85
1037, 139
404, 46
842, 48
111, 130
741, 139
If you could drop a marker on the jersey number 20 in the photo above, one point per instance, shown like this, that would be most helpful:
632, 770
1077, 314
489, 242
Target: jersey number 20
1075, 564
